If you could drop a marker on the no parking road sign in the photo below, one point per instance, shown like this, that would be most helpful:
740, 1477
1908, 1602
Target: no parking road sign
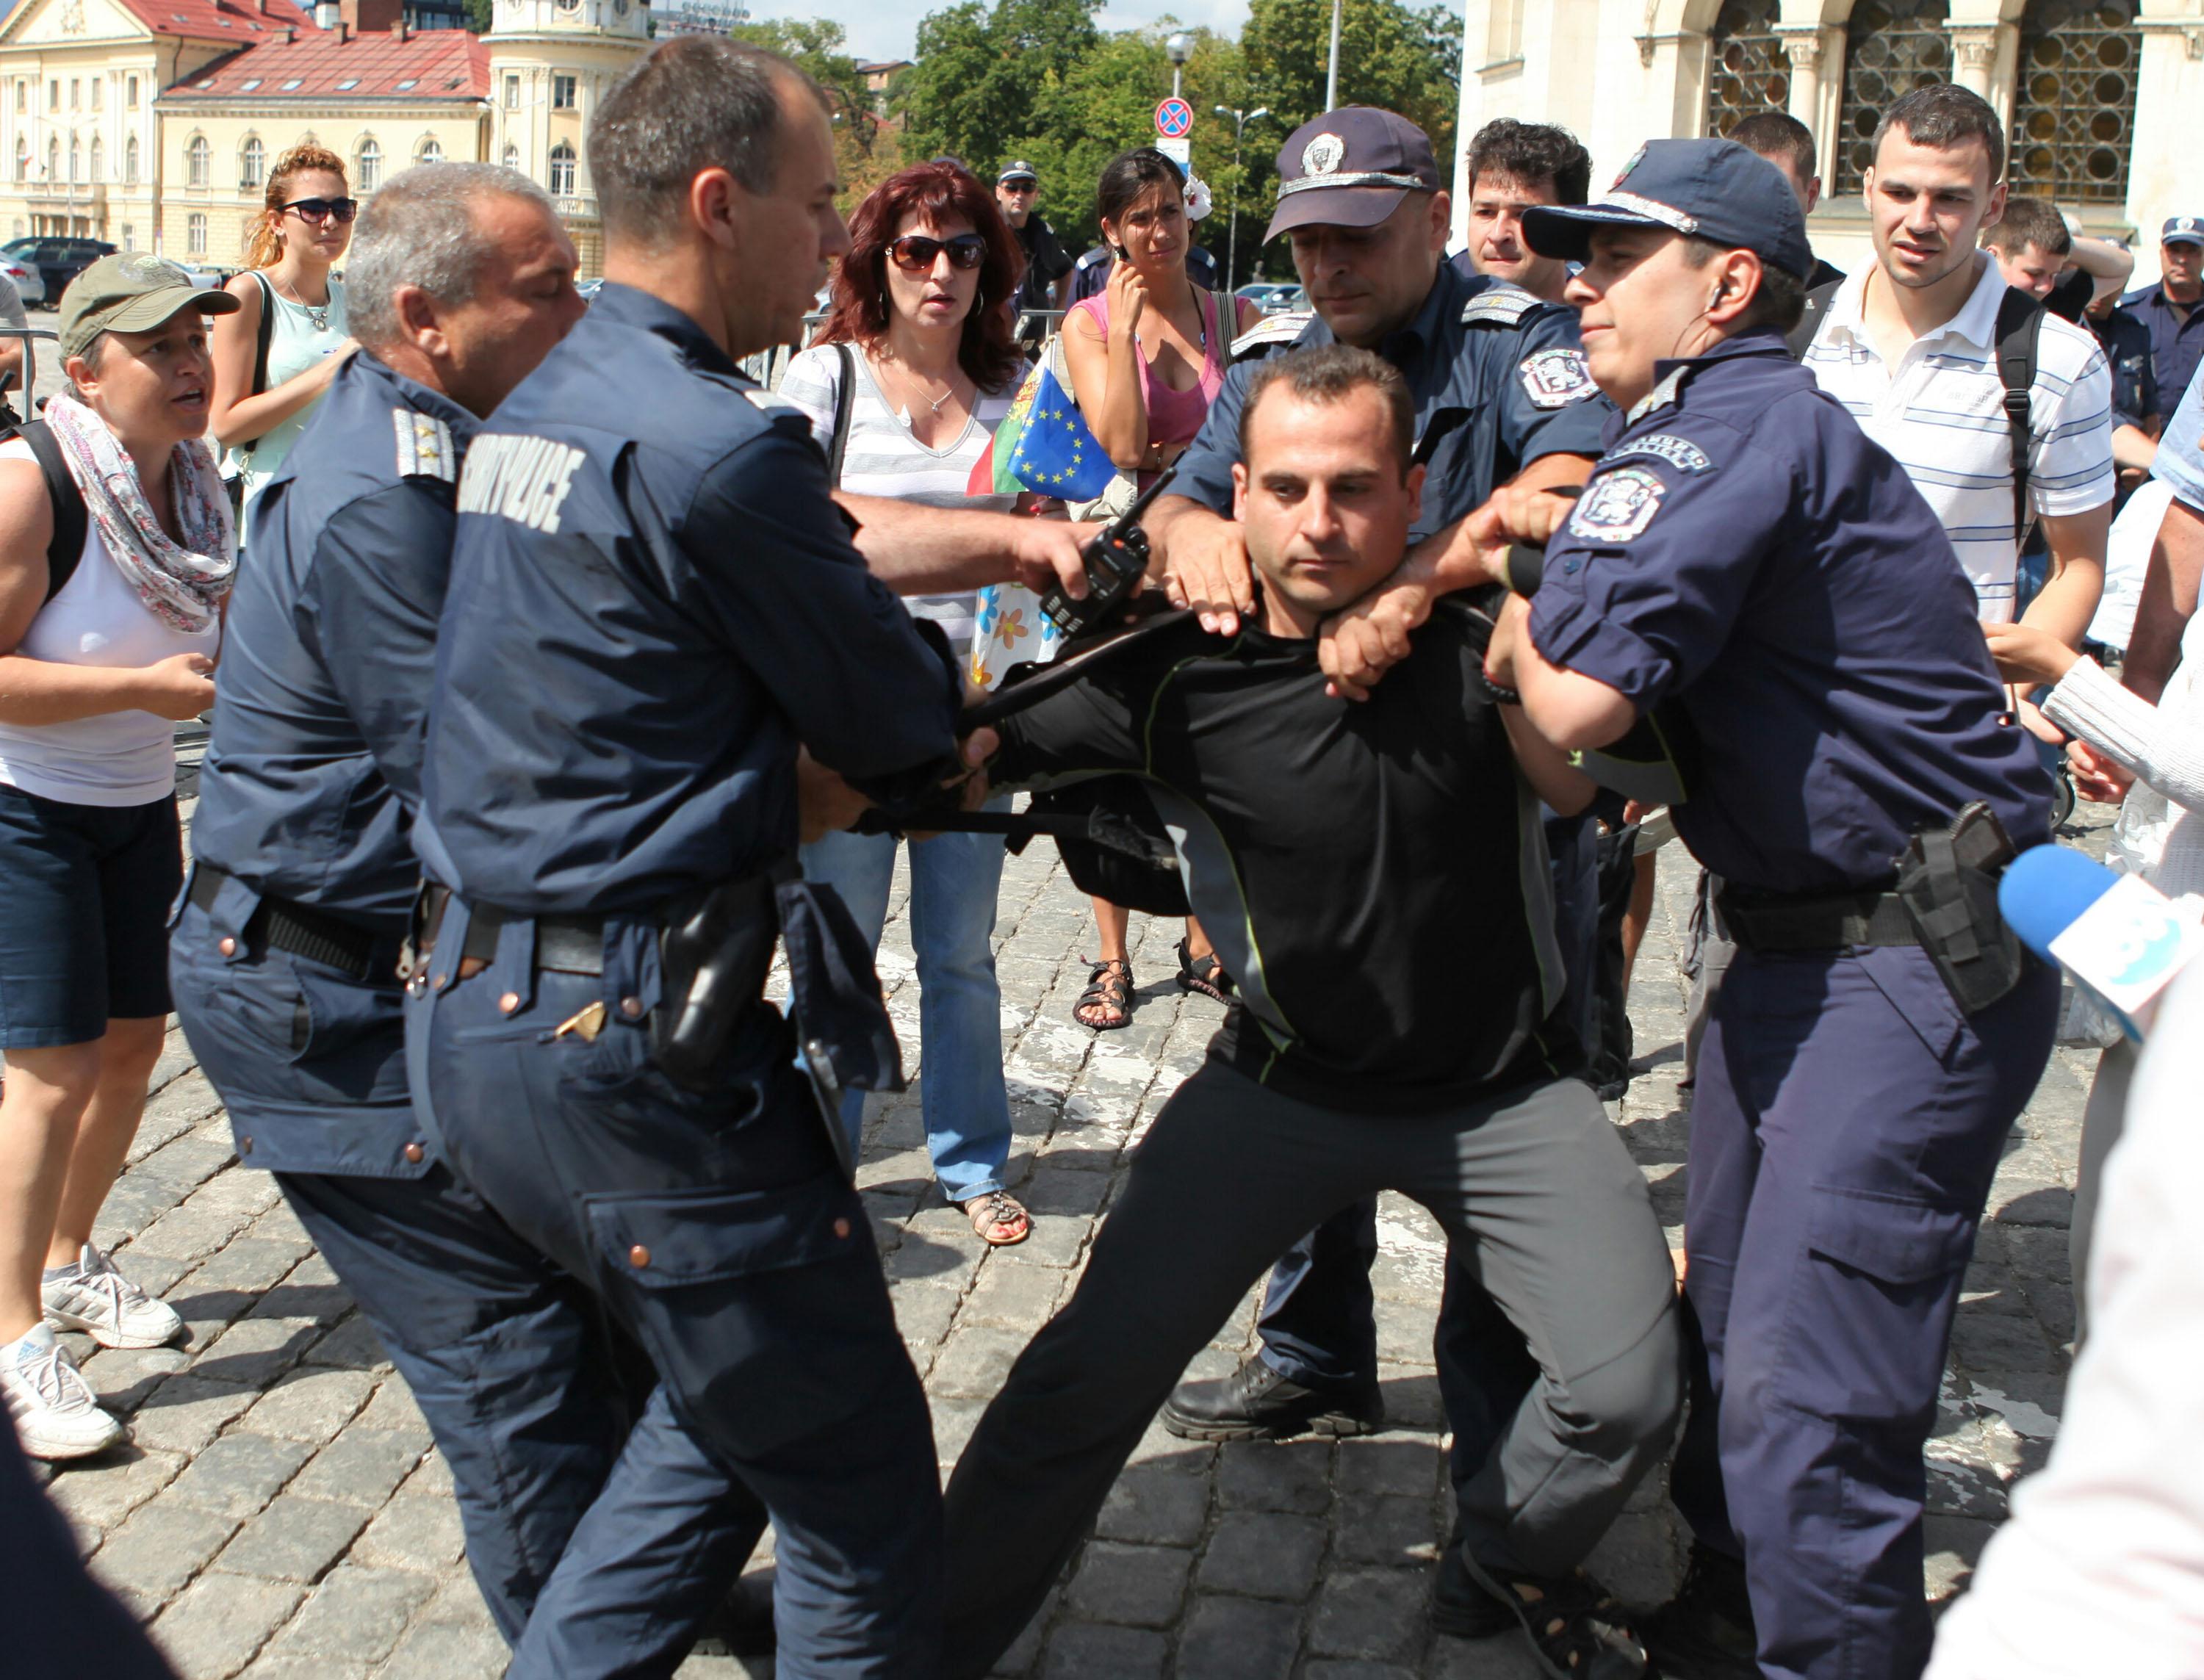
1174, 118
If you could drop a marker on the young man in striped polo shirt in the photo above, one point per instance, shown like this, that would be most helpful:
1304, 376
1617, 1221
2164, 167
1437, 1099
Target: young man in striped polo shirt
1910, 347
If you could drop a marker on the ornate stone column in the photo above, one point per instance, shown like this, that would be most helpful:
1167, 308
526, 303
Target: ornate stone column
1973, 57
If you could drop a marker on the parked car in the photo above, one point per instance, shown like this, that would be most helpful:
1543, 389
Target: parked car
1275, 297
205, 276
30, 284
58, 261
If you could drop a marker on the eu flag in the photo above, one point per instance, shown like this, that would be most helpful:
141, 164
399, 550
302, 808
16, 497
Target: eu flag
1056, 454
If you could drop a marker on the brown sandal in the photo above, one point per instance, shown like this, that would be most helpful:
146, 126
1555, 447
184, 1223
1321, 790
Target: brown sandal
1108, 999
997, 1220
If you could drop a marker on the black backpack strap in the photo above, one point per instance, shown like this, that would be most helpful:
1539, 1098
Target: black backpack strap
70, 524
267, 333
2019, 325
845, 395
1801, 338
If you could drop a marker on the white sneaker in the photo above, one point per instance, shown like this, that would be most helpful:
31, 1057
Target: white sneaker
55, 1414
113, 1311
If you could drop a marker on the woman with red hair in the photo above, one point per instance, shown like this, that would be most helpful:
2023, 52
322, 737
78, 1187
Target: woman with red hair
918, 329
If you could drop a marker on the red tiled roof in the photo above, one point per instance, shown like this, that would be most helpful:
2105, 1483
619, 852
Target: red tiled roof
240, 20
433, 64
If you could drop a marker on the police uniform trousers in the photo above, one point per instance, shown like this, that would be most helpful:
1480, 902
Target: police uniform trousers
1536, 1193
717, 1232
1847, 1123
527, 1399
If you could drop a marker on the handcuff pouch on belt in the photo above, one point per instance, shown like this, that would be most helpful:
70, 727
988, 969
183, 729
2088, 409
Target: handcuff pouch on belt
1947, 880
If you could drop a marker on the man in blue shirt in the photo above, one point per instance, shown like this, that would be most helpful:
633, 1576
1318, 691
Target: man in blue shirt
285, 956
1744, 561
2169, 310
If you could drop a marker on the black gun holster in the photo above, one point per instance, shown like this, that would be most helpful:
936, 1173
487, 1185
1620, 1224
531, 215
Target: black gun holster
715, 950
1947, 879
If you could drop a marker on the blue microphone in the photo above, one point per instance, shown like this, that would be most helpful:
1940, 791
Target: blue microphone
2120, 938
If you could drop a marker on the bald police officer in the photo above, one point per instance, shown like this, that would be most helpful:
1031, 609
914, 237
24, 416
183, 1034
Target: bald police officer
285, 958
1745, 561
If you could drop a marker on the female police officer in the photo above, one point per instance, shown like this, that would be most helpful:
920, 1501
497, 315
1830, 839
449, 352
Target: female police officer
1744, 558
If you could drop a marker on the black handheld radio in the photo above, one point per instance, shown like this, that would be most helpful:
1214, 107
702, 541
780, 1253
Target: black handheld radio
1116, 561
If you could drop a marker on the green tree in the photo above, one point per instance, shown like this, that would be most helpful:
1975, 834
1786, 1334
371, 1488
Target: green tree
981, 71
866, 151
478, 15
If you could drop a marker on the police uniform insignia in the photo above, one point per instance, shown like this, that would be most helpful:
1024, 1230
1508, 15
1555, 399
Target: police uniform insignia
1619, 504
1324, 155
424, 446
1678, 451
772, 406
1636, 158
1503, 304
1556, 377
1272, 333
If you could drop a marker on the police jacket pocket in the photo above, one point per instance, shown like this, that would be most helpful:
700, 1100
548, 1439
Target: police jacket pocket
1897, 1239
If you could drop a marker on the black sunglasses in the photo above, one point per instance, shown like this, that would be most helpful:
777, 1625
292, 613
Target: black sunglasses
321, 210
915, 253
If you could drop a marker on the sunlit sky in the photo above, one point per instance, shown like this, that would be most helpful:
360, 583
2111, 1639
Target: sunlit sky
883, 29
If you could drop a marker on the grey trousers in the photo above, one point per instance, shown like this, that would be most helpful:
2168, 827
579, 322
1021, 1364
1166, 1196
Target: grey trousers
1536, 1193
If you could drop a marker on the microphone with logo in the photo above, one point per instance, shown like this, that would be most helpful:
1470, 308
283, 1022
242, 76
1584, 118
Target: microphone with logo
2120, 938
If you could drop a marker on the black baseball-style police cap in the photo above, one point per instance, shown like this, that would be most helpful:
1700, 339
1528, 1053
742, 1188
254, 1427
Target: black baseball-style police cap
1712, 189
2182, 230
1350, 168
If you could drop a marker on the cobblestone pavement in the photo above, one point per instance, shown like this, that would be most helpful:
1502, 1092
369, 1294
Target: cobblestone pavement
279, 1511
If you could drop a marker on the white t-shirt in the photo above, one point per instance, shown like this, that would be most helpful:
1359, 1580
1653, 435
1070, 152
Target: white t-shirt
1941, 413
120, 758
882, 458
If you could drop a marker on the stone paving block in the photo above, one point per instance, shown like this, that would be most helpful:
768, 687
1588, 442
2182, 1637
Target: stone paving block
310, 1405
1263, 1554
241, 1473
413, 1531
218, 1623
1084, 1651
1153, 1504
1990, 1342
1020, 1298
430, 1651
1507, 1658
1129, 1586
360, 1466
1388, 1529
974, 1360
1238, 1639
1328, 1669
272, 1667
123, 1376
1954, 1546
184, 1413
392, 1408
153, 1555
97, 1493
1389, 1464
924, 1313
1159, 1447
294, 1539
353, 1344
433, 1477
256, 1351
245, 1263
1275, 1476
1379, 1614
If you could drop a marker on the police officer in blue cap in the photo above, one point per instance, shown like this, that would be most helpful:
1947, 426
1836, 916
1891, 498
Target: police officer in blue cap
1746, 568
285, 955
654, 604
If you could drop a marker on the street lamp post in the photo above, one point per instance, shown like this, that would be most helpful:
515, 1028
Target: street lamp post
1332, 75
1178, 49
1240, 121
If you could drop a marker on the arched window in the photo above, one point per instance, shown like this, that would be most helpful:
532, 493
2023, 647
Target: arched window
198, 162
98, 159
252, 164
562, 171
1891, 47
511, 157
130, 162
430, 151
2073, 112
367, 166
1748, 71
76, 160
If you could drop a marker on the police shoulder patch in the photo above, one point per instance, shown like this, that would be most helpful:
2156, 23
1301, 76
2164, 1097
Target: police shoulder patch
1556, 377
1618, 505
1272, 333
1500, 304
1678, 451
771, 406
424, 446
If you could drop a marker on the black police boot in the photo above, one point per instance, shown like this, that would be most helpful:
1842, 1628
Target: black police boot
1255, 1402
1576, 1628
1706, 1631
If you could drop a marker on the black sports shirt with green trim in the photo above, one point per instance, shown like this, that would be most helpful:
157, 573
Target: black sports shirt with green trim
1374, 875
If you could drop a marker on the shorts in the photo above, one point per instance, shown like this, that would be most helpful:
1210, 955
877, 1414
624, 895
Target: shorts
84, 916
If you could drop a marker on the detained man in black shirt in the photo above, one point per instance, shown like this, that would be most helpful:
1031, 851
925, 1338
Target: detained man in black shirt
1345, 858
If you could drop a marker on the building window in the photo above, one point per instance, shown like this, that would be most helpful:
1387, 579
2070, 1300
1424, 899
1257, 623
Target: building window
54, 94
512, 93
513, 157
98, 92
1891, 47
2073, 113
22, 96
132, 89
54, 158
197, 157
23, 160
367, 166
562, 93
252, 164
130, 162
562, 171
76, 160
76, 93
99, 160
195, 234
1750, 72
129, 237
430, 152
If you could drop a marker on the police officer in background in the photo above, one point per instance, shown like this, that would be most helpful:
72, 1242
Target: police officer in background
285, 959
1745, 560
654, 603
1500, 392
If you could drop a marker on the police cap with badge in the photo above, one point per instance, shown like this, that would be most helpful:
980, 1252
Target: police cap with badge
1351, 168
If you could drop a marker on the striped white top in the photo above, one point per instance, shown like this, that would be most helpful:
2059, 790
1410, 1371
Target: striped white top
882, 458
1941, 413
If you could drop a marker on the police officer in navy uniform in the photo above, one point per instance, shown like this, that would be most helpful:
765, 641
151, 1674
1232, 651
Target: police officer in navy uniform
654, 603
2172, 308
1747, 562
1501, 393
285, 959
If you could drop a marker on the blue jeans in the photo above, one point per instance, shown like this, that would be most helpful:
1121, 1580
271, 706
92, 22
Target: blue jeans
954, 881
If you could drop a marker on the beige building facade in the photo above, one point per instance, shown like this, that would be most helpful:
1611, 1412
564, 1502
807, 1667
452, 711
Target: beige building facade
2098, 96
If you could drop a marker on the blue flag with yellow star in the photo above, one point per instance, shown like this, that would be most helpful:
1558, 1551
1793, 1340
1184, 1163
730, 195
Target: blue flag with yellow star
1056, 454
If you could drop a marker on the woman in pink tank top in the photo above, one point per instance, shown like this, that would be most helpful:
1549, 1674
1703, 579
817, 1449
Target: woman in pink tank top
1147, 357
